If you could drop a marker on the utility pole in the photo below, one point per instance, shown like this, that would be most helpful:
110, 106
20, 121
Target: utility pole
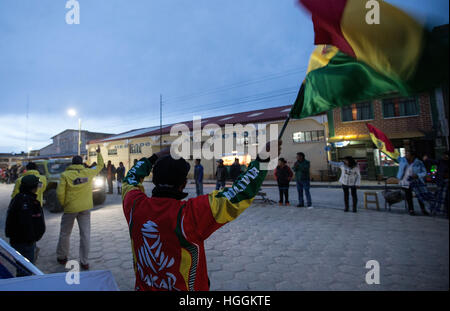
26, 125
160, 122
79, 136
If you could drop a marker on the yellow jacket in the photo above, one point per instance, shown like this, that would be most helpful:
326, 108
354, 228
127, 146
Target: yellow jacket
74, 190
41, 189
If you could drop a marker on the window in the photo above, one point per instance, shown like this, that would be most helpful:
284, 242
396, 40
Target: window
92, 153
308, 136
357, 112
135, 148
400, 107
112, 151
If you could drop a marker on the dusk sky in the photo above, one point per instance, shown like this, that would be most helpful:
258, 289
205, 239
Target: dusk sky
206, 57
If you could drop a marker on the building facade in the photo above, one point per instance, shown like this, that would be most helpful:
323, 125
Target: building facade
306, 135
410, 123
66, 143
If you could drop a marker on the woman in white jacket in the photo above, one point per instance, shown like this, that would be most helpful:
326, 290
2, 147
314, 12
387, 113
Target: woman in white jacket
350, 179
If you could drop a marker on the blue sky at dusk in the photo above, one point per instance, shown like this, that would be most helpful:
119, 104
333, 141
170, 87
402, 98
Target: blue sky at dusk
206, 57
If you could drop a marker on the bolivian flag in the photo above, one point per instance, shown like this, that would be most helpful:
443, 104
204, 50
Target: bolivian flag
382, 142
356, 61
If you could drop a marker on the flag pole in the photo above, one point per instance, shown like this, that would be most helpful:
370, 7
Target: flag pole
298, 106
284, 126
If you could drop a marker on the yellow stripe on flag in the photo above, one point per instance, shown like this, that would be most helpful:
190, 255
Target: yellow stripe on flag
393, 46
321, 56
381, 146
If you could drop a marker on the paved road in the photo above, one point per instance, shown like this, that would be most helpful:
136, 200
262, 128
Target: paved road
283, 248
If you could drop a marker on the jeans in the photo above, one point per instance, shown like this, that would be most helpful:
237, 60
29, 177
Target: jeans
409, 200
346, 196
220, 184
27, 250
303, 185
84, 224
199, 188
284, 192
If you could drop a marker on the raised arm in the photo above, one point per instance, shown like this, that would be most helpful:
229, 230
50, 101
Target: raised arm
100, 164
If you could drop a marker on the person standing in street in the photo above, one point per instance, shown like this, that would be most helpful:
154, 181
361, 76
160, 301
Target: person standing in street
221, 175
110, 176
120, 175
350, 180
74, 192
25, 224
412, 172
235, 170
302, 179
31, 169
283, 175
198, 177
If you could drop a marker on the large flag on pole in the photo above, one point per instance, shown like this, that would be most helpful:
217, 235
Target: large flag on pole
357, 61
382, 142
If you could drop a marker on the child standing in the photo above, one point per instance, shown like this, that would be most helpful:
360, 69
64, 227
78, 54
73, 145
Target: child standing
25, 223
350, 180
283, 175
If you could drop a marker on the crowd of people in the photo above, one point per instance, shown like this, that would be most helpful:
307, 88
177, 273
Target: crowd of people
10, 175
184, 225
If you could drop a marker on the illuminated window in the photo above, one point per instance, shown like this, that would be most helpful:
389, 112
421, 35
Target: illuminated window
357, 112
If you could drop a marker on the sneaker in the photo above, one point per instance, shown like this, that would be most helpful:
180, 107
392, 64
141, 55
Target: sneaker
61, 261
310, 207
287, 204
280, 203
412, 213
84, 266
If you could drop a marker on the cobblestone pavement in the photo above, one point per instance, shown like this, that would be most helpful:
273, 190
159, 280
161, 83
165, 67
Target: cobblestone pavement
282, 248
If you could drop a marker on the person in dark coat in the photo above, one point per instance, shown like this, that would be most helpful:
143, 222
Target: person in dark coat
235, 170
25, 224
120, 174
110, 176
283, 175
221, 175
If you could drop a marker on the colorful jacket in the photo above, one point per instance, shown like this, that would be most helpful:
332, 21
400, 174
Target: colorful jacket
167, 234
41, 189
74, 189
283, 175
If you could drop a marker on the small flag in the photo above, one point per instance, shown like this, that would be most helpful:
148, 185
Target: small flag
382, 142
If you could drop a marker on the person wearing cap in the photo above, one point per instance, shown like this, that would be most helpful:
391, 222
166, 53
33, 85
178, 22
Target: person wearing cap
74, 192
221, 175
25, 224
31, 169
167, 232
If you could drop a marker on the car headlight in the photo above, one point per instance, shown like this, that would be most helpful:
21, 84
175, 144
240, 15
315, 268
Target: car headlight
98, 182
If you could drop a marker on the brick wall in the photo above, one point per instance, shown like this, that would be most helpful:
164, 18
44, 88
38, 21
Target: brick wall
422, 122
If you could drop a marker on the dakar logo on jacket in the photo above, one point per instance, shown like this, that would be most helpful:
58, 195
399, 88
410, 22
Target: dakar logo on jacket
151, 256
80, 181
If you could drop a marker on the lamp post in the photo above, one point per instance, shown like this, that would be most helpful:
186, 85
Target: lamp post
73, 113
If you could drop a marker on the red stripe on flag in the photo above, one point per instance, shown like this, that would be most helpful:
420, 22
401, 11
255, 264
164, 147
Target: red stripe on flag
326, 17
381, 136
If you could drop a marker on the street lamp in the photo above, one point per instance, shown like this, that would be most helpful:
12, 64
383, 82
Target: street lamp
72, 112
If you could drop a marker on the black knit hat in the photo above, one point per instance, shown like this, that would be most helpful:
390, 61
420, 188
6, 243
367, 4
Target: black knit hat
169, 172
28, 183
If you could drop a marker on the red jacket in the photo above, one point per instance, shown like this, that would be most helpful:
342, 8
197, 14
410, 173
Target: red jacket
167, 234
